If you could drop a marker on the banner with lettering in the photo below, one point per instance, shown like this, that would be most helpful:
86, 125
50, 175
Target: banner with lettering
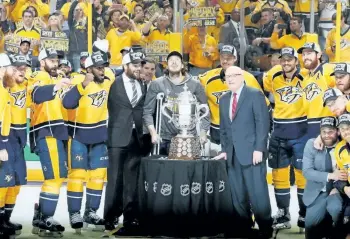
13, 43
157, 50
56, 40
202, 16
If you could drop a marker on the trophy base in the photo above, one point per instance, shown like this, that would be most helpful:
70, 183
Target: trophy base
185, 148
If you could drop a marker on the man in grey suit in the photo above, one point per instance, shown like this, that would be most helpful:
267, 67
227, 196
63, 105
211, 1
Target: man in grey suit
244, 128
320, 172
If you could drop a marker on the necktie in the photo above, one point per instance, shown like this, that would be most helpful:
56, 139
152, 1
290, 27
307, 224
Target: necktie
134, 93
234, 105
329, 169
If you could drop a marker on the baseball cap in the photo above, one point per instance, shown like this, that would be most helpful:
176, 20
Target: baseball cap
84, 54
127, 49
100, 45
96, 59
47, 53
23, 40
228, 49
4, 60
310, 45
331, 94
329, 122
19, 60
65, 62
133, 57
341, 68
174, 53
288, 51
344, 119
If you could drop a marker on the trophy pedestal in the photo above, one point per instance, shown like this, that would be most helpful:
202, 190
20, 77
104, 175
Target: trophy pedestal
185, 148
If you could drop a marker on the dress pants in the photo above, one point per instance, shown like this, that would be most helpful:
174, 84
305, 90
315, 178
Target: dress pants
122, 175
250, 191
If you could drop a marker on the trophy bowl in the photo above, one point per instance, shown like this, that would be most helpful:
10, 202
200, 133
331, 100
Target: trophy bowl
185, 117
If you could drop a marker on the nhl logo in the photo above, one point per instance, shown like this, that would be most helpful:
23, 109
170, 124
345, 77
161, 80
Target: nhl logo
166, 189
146, 186
221, 186
209, 187
155, 187
196, 188
185, 190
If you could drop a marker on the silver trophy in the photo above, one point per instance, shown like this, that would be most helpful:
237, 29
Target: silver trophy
185, 117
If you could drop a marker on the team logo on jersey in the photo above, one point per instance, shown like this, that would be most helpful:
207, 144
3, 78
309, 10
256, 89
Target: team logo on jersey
20, 98
98, 98
312, 91
61, 93
290, 94
218, 95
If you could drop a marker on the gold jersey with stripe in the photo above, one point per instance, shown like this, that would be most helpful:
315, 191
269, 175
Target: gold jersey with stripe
289, 116
214, 88
342, 156
314, 86
19, 104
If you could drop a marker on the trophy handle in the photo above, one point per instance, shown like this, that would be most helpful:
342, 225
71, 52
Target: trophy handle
206, 112
165, 113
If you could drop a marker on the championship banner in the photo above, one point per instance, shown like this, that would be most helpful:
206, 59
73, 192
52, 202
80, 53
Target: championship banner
157, 50
56, 40
12, 44
202, 16
151, 10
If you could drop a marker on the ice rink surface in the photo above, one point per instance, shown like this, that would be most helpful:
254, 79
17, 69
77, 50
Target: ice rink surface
29, 195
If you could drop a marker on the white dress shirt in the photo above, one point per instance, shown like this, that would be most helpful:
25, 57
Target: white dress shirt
236, 26
128, 87
238, 92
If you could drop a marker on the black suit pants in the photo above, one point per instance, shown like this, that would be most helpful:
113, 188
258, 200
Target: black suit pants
250, 192
122, 175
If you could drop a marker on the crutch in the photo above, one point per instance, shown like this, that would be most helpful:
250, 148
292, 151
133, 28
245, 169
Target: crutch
159, 100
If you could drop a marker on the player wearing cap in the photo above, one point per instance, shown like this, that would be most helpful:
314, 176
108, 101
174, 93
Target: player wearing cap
289, 134
335, 101
7, 180
102, 47
18, 134
342, 155
322, 175
65, 67
214, 85
47, 136
316, 83
87, 151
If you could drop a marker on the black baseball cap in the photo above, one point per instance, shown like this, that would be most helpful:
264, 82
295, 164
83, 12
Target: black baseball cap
310, 45
331, 94
133, 58
343, 68
19, 60
344, 119
96, 59
48, 53
84, 55
288, 51
25, 40
65, 62
330, 122
174, 53
228, 49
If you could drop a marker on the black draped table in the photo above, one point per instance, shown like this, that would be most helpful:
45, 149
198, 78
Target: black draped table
181, 197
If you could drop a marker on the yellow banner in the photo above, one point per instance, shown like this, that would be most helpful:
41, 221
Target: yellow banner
12, 44
56, 40
157, 50
202, 16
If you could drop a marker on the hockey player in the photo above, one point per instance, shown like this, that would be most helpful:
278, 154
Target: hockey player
342, 155
289, 134
87, 152
316, 83
214, 85
18, 134
7, 179
48, 134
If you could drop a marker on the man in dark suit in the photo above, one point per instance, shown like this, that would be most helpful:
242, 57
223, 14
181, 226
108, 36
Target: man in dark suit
244, 128
125, 106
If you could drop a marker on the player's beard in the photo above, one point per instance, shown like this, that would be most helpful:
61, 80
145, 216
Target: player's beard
330, 141
52, 71
312, 65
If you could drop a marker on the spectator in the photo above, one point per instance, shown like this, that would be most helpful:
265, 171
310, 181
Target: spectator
113, 19
249, 6
29, 31
344, 41
294, 40
77, 22
121, 37
203, 50
280, 9
263, 35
